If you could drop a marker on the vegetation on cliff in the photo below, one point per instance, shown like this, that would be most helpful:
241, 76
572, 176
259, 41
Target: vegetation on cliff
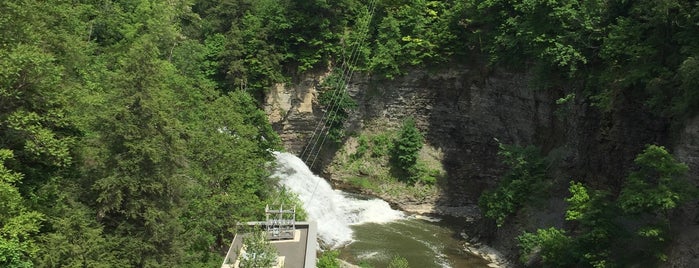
604, 224
371, 161
525, 181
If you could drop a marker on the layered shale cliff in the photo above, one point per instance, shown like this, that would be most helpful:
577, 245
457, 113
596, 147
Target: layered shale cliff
461, 111
465, 111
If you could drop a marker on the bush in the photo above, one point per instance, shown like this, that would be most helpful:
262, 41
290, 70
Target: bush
259, 253
406, 149
552, 244
362, 147
338, 105
517, 187
421, 173
328, 259
381, 144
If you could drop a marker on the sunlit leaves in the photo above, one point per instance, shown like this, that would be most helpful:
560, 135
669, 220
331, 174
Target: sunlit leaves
560, 33
554, 244
658, 185
257, 251
18, 224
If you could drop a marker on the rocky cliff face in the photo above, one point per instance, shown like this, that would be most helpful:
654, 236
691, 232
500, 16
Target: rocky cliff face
684, 249
461, 110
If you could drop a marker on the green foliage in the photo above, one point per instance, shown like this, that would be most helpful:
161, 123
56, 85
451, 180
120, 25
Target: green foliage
422, 173
268, 41
338, 104
651, 193
381, 145
406, 148
125, 152
553, 244
658, 186
291, 200
411, 33
590, 245
362, 147
328, 259
616, 48
525, 178
559, 33
361, 182
398, 262
639, 216
18, 224
257, 251
597, 216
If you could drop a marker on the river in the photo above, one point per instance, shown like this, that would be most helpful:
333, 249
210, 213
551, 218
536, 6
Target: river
367, 229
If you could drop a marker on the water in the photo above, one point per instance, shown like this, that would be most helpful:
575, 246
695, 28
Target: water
422, 243
333, 210
367, 229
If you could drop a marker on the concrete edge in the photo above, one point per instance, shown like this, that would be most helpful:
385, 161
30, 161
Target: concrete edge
311, 245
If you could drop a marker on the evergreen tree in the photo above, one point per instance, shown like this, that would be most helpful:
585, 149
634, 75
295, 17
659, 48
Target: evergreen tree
138, 186
407, 145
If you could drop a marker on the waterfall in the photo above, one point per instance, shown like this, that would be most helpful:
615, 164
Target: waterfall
333, 210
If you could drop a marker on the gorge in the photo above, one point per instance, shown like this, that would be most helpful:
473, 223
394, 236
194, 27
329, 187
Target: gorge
464, 113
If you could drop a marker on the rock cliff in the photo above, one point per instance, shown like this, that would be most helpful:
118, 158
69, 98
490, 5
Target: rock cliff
462, 110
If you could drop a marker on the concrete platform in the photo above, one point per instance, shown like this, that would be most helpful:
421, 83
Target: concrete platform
299, 252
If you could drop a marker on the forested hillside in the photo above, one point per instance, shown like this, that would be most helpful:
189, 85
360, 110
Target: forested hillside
118, 149
131, 134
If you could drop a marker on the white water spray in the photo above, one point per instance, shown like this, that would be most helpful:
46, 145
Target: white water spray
333, 210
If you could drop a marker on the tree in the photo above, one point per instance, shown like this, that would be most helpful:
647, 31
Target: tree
407, 146
605, 226
338, 104
525, 177
553, 244
328, 259
257, 252
18, 225
658, 186
651, 193
138, 188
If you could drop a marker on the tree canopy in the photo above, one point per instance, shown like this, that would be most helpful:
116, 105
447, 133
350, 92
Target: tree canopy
131, 134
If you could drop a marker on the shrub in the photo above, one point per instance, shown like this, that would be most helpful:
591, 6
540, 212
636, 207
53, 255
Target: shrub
406, 148
381, 144
552, 244
517, 187
259, 253
338, 105
328, 259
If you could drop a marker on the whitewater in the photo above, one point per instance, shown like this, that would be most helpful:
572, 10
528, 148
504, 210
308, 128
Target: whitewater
333, 210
